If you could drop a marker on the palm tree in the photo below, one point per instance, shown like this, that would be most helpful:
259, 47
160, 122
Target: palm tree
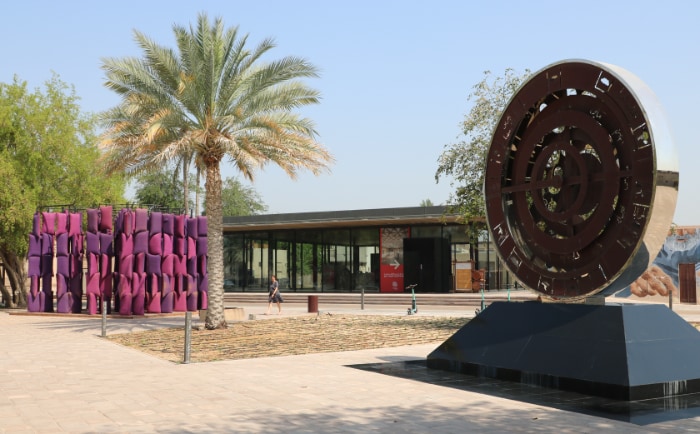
216, 98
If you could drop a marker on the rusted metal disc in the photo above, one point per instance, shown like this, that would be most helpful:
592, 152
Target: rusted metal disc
572, 176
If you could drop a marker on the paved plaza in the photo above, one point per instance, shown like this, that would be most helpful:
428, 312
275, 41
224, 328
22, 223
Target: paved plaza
57, 375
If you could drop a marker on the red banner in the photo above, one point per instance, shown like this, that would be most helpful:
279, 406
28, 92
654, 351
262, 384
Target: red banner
391, 266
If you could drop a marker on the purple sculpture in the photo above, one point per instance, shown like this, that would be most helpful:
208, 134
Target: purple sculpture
35, 298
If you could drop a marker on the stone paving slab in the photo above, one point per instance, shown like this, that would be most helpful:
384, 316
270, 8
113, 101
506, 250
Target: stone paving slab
58, 376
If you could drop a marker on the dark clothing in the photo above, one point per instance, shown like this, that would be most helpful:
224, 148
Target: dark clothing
274, 295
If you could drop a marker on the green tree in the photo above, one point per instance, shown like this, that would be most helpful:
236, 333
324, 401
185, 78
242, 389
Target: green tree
239, 200
464, 161
48, 156
162, 188
426, 203
215, 97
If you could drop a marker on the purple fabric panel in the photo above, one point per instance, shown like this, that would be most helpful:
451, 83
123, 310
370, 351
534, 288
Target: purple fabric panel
76, 264
141, 242
179, 266
93, 264
106, 243
155, 223
167, 286
138, 287
202, 265
75, 224
92, 243
62, 265
155, 244
140, 220
168, 224
192, 266
46, 244
64, 298
191, 227
126, 266
203, 283
203, 301
167, 244
93, 218
62, 244
202, 246
128, 223
36, 224
126, 244
191, 247
192, 294
180, 302
190, 284
168, 265
46, 265
179, 227
33, 297
106, 276
61, 286
105, 218
105, 265
76, 244
34, 266
49, 225
125, 296
179, 245
167, 302
33, 285
153, 264
34, 245
202, 226
119, 221
91, 299
153, 293
140, 263
61, 223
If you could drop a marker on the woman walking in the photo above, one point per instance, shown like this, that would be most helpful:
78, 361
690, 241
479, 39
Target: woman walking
274, 295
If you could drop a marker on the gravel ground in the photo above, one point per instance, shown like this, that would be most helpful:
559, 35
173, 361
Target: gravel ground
293, 336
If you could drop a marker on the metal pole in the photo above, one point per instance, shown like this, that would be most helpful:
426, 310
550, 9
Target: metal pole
362, 299
482, 297
104, 317
188, 336
670, 300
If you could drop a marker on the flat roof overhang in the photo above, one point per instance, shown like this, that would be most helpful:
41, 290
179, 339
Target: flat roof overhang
333, 219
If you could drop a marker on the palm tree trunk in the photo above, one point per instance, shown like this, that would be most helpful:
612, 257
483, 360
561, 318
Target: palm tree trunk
215, 263
185, 181
196, 191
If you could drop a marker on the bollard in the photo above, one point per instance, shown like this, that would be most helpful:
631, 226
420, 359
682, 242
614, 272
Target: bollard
362, 299
104, 318
188, 336
313, 304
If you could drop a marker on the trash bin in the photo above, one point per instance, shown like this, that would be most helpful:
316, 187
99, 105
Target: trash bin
313, 304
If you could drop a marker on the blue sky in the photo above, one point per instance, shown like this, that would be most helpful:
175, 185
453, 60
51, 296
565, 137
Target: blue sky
395, 75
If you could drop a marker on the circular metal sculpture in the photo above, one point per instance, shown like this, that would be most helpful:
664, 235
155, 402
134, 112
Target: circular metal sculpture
578, 161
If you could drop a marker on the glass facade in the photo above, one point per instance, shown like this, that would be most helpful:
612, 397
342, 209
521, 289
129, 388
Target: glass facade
337, 259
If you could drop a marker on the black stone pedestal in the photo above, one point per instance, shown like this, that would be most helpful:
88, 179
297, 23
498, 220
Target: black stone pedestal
620, 351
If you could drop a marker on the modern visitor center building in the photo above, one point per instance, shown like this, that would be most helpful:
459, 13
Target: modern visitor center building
380, 250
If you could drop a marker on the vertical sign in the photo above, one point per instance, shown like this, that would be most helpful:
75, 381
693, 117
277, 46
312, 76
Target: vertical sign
391, 266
